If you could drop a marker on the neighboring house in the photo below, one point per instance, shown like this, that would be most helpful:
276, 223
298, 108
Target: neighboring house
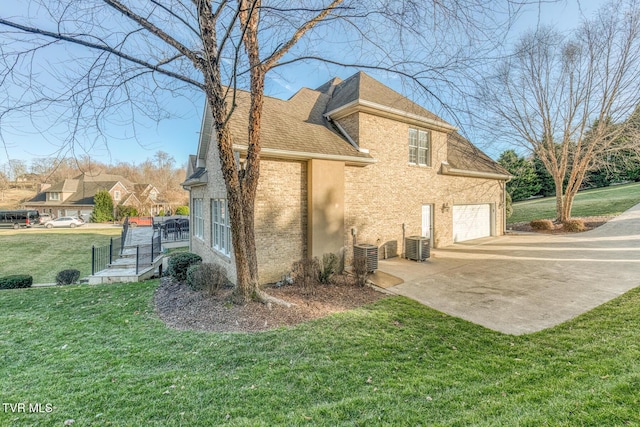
351, 161
74, 197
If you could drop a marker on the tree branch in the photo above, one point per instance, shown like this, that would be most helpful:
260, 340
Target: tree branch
104, 48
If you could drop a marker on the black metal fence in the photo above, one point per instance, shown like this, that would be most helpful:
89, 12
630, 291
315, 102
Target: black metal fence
146, 254
102, 256
125, 230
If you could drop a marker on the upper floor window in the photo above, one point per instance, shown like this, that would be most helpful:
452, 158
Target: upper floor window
116, 195
419, 147
54, 196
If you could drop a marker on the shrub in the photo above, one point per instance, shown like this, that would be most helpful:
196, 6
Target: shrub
206, 276
541, 224
328, 268
67, 277
16, 281
508, 208
179, 263
182, 210
194, 280
360, 269
573, 225
305, 274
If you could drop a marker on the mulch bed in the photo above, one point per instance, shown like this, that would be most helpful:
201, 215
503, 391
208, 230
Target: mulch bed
590, 223
181, 308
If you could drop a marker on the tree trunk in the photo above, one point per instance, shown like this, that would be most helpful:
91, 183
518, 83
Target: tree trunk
559, 198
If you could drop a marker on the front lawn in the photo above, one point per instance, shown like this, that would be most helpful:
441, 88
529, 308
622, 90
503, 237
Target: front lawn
42, 253
606, 201
100, 356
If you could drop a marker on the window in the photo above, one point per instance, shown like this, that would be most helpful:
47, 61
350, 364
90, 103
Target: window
116, 195
220, 228
198, 219
419, 147
54, 196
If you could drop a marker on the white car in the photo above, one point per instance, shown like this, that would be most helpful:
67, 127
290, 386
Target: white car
64, 221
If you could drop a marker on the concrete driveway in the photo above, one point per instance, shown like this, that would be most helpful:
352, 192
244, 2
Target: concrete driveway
524, 283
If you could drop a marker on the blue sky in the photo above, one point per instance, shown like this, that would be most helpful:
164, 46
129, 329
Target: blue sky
178, 136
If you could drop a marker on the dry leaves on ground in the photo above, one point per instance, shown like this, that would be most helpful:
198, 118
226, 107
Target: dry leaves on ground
182, 308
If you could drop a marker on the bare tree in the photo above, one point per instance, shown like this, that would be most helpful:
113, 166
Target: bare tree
4, 185
566, 98
128, 57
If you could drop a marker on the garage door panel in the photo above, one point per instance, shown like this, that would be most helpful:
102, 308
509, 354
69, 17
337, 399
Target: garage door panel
471, 222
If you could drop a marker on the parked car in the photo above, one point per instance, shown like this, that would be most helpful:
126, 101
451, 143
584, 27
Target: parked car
64, 221
135, 221
44, 218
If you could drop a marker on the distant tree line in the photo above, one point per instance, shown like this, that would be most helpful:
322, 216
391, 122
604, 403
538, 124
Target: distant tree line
160, 170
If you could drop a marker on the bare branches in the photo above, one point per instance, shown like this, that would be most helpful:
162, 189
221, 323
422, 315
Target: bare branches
81, 42
279, 53
153, 29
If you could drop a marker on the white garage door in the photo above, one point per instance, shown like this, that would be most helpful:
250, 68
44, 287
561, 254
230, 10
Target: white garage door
471, 222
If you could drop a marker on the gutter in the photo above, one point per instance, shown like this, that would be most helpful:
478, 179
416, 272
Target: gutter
448, 170
303, 155
383, 110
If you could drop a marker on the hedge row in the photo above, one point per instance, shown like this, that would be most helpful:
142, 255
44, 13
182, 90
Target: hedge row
16, 281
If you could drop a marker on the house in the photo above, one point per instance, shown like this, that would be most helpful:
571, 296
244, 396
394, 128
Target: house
74, 197
352, 161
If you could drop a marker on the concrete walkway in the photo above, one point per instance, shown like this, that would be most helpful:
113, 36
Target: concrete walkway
524, 283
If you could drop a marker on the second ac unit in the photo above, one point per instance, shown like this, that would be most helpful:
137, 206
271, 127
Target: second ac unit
417, 248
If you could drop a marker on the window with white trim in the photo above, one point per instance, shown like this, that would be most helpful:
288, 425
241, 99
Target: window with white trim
116, 195
198, 219
419, 147
220, 227
54, 196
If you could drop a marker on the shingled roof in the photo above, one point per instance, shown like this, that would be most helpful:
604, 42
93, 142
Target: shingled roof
294, 125
362, 87
464, 156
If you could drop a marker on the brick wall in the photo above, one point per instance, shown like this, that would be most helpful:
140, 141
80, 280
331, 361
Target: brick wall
381, 197
280, 217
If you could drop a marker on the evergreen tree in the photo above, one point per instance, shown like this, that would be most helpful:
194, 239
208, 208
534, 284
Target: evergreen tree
525, 182
547, 186
103, 207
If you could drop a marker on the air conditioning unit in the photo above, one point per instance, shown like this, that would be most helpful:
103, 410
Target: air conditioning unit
417, 248
370, 252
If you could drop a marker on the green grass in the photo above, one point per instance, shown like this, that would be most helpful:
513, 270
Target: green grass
43, 253
100, 356
597, 202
